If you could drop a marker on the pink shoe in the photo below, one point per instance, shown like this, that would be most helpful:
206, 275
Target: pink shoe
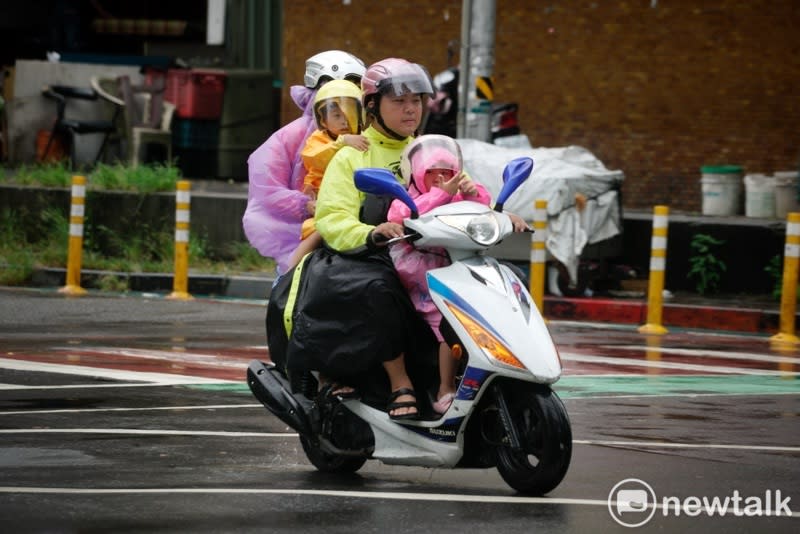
443, 404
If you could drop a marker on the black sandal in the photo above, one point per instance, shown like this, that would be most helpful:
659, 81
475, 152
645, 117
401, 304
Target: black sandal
394, 404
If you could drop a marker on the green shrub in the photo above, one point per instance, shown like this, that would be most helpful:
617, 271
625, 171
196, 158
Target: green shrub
704, 266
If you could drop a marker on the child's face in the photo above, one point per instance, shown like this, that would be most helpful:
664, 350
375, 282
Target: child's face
335, 121
402, 114
435, 177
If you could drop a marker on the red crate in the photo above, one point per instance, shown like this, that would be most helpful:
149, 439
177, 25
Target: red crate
196, 93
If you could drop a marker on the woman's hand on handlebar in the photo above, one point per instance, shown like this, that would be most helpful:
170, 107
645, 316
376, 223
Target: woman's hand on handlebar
386, 231
519, 223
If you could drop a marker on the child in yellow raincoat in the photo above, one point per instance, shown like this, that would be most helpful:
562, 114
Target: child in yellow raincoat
337, 111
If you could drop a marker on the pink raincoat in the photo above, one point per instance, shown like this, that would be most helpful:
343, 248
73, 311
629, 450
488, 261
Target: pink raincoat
276, 205
413, 263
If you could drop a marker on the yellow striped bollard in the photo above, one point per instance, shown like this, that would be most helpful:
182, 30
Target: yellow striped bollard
180, 285
75, 247
791, 259
538, 254
658, 263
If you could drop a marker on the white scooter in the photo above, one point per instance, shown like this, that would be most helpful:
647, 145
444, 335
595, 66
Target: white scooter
504, 415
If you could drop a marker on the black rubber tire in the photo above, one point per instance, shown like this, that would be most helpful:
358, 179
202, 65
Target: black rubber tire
544, 428
328, 463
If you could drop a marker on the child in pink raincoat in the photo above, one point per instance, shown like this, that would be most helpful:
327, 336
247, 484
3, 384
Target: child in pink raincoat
431, 167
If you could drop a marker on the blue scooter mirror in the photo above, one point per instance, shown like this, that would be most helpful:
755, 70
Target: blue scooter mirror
382, 182
515, 173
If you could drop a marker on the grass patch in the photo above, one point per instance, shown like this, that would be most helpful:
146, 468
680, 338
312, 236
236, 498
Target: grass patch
24, 249
118, 177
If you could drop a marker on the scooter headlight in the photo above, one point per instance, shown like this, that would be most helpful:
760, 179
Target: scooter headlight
483, 229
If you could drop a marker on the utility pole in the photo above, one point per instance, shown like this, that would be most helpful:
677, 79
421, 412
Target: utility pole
475, 91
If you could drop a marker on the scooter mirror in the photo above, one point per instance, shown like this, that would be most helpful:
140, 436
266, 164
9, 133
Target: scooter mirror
516, 172
382, 182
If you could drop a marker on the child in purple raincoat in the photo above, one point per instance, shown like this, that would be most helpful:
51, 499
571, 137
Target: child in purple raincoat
276, 204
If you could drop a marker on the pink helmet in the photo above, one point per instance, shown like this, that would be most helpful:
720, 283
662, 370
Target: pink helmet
395, 76
430, 151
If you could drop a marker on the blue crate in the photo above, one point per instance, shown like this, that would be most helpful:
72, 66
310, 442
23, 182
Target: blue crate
195, 133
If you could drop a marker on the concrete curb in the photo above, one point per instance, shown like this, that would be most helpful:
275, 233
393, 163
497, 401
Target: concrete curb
707, 316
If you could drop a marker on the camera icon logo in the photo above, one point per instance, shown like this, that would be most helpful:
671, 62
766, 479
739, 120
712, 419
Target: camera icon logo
632, 502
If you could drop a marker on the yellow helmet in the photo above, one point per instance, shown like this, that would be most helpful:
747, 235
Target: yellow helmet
343, 94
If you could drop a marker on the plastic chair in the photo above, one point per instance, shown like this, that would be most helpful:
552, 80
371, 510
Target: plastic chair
147, 117
61, 94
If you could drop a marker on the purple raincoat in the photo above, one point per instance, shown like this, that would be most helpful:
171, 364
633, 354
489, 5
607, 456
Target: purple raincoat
276, 206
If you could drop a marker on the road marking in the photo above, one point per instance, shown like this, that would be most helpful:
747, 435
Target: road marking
672, 445
207, 360
324, 493
616, 443
688, 386
652, 364
397, 496
136, 431
703, 353
114, 374
144, 409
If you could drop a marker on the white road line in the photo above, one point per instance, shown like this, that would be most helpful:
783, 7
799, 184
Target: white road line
703, 353
135, 431
207, 360
324, 493
671, 445
180, 382
114, 374
617, 443
571, 356
395, 496
143, 409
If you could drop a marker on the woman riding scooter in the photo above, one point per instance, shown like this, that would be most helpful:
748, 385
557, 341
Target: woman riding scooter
352, 314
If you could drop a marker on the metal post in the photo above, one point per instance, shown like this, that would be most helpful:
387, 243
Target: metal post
180, 288
658, 262
791, 259
538, 253
75, 247
475, 93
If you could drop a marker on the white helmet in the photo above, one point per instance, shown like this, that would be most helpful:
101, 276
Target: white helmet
333, 65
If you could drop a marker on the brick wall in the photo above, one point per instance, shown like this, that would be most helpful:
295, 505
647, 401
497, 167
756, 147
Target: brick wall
655, 88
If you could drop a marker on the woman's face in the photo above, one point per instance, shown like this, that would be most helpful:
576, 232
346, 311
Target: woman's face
402, 114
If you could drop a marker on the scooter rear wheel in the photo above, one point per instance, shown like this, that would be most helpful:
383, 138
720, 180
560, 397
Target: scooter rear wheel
544, 429
330, 463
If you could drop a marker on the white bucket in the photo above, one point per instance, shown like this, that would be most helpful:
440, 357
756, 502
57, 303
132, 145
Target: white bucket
787, 189
759, 195
722, 189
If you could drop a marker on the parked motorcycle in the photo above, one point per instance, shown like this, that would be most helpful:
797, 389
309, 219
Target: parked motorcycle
504, 414
442, 116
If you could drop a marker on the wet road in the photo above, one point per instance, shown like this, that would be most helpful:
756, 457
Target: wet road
131, 414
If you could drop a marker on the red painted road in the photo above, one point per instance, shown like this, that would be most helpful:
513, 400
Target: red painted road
594, 353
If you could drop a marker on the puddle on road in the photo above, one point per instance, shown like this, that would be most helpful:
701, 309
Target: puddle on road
33, 457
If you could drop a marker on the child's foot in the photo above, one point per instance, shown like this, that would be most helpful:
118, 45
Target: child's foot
444, 402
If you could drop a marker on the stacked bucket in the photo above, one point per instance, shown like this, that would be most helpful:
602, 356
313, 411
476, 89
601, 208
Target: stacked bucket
766, 196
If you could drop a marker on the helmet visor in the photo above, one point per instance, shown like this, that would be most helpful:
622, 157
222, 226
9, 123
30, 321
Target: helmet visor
411, 78
339, 110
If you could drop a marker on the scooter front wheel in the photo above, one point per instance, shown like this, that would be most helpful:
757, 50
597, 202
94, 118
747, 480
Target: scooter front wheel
543, 426
331, 463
